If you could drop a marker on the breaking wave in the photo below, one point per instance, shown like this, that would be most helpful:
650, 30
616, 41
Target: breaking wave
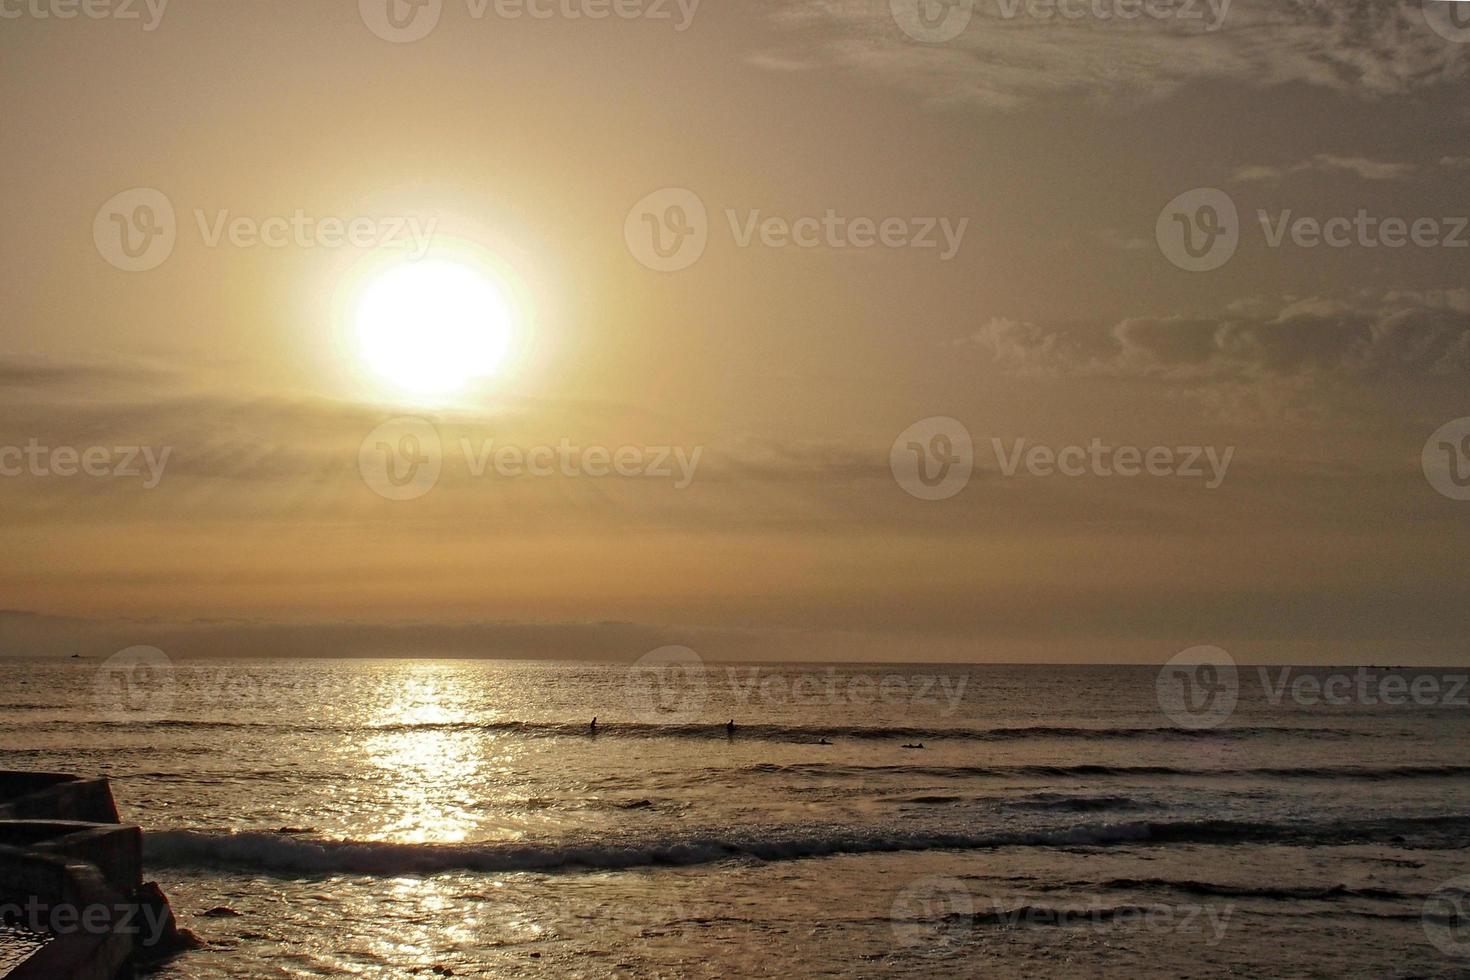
1090, 771
759, 732
292, 854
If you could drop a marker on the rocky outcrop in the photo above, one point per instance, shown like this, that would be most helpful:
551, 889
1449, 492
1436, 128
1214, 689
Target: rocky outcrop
72, 895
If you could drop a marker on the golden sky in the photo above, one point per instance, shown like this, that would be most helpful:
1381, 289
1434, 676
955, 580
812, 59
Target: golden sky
1026, 171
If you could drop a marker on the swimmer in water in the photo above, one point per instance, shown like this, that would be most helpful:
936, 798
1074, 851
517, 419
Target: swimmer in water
593, 727
730, 728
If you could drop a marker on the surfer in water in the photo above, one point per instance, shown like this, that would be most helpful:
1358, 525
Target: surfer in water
593, 727
730, 728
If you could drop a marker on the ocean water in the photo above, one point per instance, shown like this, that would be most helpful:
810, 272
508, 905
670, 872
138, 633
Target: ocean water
383, 818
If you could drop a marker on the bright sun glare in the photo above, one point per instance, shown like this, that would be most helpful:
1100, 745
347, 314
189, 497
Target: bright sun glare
431, 327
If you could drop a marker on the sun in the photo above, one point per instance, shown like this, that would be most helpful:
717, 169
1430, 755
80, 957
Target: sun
432, 326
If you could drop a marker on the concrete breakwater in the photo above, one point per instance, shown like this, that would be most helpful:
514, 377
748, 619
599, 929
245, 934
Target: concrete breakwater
73, 902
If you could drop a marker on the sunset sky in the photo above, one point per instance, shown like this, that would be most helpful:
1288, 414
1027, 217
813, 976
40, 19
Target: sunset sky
525, 143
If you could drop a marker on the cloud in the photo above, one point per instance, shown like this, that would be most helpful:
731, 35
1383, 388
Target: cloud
240, 458
1327, 163
1406, 334
1359, 47
28, 633
33, 372
776, 62
1128, 243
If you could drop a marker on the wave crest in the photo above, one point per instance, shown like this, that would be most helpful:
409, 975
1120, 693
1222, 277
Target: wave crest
280, 853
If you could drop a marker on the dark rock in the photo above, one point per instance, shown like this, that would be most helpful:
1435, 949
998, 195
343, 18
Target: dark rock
169, 938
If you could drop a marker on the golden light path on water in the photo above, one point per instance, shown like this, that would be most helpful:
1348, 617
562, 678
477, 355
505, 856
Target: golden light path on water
431, 770
429, 773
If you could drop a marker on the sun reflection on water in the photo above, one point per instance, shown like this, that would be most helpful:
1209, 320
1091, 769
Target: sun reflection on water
439, 778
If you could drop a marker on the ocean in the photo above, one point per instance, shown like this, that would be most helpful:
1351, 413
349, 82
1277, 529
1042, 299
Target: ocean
394, 818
